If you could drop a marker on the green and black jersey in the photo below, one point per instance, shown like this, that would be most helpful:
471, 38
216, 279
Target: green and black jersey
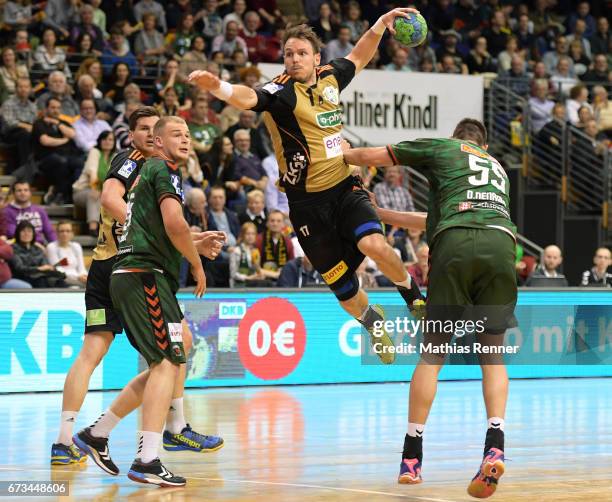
468, 187
305, 123
144, 243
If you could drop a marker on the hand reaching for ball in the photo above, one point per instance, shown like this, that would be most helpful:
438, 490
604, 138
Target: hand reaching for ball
204, 80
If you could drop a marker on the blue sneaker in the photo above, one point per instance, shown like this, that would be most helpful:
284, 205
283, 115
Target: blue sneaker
65, 455
410, 472
189, 440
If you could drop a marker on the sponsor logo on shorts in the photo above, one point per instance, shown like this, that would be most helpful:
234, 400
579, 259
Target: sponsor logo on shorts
127, 168
329, 119
175, 329
333, 145
469, 149
96, 317
333, 274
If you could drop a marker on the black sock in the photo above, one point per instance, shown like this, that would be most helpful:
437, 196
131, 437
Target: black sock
495, 439
413, 447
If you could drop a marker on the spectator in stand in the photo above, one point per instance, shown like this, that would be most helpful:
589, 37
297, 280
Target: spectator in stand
247, 120
420, 54
217, 168
582, 14
275, 249
87, 26
195, 210
563, 77
267, 9
448, 65
524, 34
23, 49
119, 11
390, 193
6, 277
93, 68
326, 25
151, 6
551, 58
118, 80
11, 71
170, 103
299, 273
225, 220
245, 259
578, 35
603, 110
598, 276
578, 97
479, 60
504, 58
203, 133
581, 62
584, 115
353, 20
420, 270
239, 8
66, 256
86, 89
184, 36
498, 32
22, 209
256, 43
149, 45
229, 42
58, 89
246, 166
29, 262
18, 14
99, 16
48, 57
275, 199
60, 15
118, 51
255, 211
339, 47
171, 78
467, 22
600, 73
56, 153
450, 48
548, 141
82, 50
517, 79
600, 41
551, 261
540, 107
195, 59
87, 189
88, 128
399, 62
213, 23
18, 114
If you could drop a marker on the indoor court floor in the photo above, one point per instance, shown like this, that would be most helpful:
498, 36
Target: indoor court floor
338, 443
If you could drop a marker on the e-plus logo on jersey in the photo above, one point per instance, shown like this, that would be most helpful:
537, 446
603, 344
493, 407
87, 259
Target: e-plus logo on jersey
271, 338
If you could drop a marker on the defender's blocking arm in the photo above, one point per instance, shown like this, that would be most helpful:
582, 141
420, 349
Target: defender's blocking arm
375, 156
411, 220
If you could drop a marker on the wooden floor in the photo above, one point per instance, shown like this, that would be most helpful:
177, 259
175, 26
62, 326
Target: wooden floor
339, 443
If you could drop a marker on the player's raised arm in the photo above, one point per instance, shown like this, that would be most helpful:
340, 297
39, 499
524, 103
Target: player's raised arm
366, 47
239, 96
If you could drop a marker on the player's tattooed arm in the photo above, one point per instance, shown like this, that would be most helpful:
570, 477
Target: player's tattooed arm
112, 199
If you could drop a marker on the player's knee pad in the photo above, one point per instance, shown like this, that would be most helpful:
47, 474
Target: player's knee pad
346, 289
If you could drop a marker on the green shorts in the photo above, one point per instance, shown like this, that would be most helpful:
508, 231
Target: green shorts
150, 315
473, 267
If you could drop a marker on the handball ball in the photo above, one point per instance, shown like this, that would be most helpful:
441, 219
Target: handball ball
410, 31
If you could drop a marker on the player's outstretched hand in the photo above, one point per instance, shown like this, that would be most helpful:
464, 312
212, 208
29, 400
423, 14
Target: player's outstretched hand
205, 80
209, 244
390, 16
200, 279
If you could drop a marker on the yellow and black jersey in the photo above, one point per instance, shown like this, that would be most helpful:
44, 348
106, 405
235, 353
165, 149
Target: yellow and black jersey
125, 168
305, 123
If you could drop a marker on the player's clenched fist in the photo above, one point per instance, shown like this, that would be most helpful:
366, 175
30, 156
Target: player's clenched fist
204, 80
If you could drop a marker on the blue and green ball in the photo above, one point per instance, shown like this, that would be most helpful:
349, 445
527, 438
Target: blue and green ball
410, 31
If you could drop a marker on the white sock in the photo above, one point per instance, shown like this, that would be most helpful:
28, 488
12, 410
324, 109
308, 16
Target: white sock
175, 422
148, 445
496, 423
106, 422
416, 430
406, 283
66, 426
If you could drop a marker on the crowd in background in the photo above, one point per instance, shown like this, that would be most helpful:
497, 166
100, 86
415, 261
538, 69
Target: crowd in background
72, 72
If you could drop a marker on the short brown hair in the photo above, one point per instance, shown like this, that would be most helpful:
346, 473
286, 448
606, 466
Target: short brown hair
576, 91
303, 32
141, 113
471, 130
65, 222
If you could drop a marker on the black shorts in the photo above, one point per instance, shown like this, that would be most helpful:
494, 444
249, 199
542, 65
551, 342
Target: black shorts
101, 315
329, 227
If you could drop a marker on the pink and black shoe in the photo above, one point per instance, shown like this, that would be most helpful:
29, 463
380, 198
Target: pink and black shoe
484, 484
410, 472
